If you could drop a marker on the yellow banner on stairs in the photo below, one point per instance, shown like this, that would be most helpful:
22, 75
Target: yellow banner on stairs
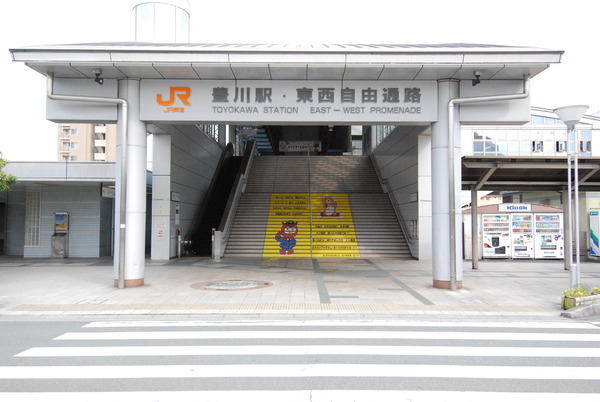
317, 225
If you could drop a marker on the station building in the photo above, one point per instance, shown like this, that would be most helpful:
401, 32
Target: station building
293, 114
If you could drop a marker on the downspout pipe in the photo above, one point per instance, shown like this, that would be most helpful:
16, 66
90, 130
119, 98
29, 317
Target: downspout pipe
451, 158
122, 190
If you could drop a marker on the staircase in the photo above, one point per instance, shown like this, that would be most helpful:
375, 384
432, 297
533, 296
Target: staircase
363, 223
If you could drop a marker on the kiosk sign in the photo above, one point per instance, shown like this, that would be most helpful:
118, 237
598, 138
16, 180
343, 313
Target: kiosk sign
289, 101
514, 207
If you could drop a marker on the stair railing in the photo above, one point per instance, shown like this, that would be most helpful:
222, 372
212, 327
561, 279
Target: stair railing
385, 185
310, 211
220, 236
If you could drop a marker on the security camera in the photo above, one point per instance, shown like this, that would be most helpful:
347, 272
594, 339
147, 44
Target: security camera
97, 72
476, 80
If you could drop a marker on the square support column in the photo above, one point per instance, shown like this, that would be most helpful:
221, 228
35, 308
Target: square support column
161, 198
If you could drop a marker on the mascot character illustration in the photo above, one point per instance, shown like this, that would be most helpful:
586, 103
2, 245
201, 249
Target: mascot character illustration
287, 237
329, 206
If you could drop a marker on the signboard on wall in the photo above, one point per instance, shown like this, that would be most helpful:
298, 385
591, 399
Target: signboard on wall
288, 101
514, 207
299, 146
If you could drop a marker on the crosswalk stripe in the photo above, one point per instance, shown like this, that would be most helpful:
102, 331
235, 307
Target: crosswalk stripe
317, 323
292, 350
300, 371
296, 396
511, 336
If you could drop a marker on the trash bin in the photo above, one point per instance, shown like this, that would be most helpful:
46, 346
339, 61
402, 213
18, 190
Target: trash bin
59, 245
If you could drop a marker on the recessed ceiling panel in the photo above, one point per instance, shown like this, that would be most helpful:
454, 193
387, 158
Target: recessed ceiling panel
363, 72
107, 70
251, 71
143, 71
212, 71
288, 72
176, 71
517, 72
59, 70
393, 72
325, 71
437, 72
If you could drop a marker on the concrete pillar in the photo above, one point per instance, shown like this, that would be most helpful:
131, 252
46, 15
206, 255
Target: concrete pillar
474, 230
424, 201
222, 136
161, 198
567, 214
440, 181
135, 216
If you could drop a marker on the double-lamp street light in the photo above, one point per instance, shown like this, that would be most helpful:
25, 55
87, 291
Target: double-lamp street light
571, 115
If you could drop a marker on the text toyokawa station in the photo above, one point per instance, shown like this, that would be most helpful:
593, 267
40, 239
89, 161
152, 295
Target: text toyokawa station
294, 101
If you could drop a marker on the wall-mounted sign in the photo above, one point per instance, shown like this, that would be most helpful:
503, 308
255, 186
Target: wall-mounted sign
514, 207
108, 192
288, 101
299, 146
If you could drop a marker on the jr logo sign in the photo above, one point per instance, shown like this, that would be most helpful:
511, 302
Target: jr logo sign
183, 93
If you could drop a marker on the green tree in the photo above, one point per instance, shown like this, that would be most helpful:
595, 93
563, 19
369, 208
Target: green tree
6, 180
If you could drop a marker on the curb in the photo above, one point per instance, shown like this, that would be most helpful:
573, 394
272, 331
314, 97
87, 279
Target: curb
188, 309
588, 310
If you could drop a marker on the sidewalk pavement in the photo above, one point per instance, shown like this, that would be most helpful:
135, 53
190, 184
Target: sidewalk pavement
201, 288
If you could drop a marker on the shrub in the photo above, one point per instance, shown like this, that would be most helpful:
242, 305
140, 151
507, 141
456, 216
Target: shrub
579, 291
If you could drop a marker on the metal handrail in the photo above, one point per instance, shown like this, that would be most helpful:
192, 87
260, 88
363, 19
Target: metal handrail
221, 235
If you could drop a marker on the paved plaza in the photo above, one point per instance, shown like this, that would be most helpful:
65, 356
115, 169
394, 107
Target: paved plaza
284, 287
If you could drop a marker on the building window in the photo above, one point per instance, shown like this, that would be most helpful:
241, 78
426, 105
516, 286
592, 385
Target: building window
585, 148
33, 217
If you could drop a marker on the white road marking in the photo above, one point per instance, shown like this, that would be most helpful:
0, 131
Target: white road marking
301, 350
540, 325
295, 396
508, 336
300, 371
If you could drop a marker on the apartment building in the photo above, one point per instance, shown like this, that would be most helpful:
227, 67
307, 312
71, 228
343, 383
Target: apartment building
87, 142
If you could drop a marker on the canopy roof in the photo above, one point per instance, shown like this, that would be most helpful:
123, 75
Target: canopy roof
287, 62
509, 173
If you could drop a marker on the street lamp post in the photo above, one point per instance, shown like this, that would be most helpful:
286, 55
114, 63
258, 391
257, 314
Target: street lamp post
570, 115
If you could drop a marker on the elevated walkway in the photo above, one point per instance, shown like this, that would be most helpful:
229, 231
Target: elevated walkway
317, 206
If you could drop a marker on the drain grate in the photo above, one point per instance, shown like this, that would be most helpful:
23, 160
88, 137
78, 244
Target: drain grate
231, 284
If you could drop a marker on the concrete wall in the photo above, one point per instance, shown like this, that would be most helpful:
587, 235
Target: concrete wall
193, 159
399, 164
89, 217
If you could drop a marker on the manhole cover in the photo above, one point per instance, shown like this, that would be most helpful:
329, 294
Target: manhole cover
232, 284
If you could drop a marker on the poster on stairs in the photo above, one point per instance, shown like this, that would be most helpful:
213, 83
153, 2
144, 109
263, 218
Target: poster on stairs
310, 225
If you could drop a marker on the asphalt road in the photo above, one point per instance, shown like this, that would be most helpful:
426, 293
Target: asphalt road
299, 361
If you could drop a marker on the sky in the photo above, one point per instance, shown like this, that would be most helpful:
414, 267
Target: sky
549, 24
